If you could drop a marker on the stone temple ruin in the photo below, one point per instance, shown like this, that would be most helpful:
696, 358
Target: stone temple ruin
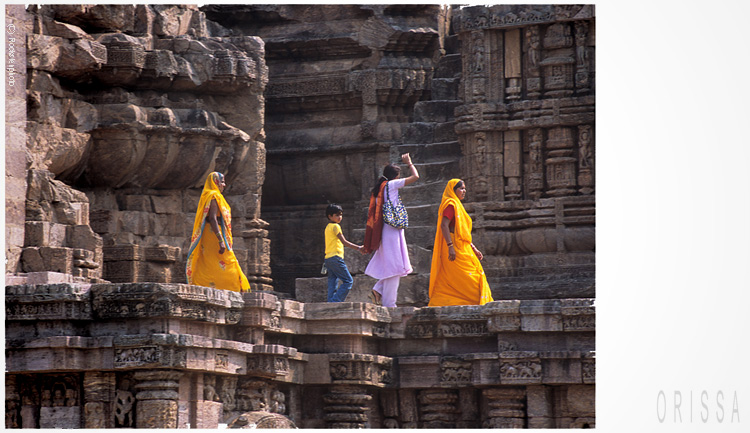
120, 113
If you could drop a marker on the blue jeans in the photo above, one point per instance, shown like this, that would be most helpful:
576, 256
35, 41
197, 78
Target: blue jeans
337, 270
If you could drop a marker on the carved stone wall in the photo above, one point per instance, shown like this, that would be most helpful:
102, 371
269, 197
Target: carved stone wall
526, 129
153, 355
128, 110
344, 84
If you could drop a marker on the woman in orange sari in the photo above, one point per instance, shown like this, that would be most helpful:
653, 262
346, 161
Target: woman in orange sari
211, 261
456, 275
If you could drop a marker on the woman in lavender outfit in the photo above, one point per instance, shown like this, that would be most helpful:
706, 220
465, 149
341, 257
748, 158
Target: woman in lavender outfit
391, 259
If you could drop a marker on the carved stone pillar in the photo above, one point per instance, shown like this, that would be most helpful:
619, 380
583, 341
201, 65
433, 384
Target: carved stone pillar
346, 407
513, 64
533, 62
582, 58
585, 159
506, 408
561, 164
12, 403
156, 399
512, 166
535, 174
559, 65
98, 397
438, 408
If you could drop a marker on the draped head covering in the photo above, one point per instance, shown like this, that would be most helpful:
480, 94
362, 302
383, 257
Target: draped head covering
211, 192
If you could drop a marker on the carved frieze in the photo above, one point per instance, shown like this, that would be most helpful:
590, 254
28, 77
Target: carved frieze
579, 323
144, 356
332, 85
268, 365
520, 371
455, 372
588, 370
521, 15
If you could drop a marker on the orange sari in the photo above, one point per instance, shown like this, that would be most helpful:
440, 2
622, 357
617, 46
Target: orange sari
205, 266
462, 281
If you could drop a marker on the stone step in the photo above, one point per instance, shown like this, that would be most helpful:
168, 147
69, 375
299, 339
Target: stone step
435, 111
423, 192
438, 170
422, 236
557, 289
428, 152
445, 88
430, 132
449, 66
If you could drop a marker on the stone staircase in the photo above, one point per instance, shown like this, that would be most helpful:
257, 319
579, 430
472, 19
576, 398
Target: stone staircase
432, 142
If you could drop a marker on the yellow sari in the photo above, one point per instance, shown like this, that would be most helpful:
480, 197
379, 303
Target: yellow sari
462, 281
205, 266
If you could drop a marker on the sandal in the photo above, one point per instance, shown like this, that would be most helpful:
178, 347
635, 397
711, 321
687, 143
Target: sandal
376, 298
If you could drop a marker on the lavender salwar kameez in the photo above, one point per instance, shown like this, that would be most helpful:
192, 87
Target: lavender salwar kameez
390, 261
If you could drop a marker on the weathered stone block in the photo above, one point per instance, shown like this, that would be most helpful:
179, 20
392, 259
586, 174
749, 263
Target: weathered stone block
171, 204
210, 413
60, 417
140, 203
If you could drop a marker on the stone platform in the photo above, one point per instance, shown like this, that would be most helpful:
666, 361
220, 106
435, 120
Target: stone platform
173, 355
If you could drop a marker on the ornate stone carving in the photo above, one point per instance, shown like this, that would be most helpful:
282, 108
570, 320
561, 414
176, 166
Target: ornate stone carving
520, 371
560, 162
533, 58
588, 370
251, 395
582, 61
438, 408
346, 407
455, 372
585, 159
227, 392
157, 398
137, 356
268, 365
506, 408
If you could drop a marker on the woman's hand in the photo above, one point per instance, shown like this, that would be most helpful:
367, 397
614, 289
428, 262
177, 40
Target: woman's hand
406, 159
222, 248
451, 253
477, 252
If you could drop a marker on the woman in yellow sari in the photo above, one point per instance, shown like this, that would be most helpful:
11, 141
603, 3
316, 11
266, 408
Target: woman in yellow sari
456, 276
211, 261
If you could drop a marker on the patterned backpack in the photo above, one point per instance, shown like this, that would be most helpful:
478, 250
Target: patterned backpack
394, 215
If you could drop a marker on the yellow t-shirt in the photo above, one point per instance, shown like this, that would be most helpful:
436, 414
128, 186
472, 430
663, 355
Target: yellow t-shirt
334, 246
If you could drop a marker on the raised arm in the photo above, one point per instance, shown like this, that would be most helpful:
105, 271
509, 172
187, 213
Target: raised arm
414, 174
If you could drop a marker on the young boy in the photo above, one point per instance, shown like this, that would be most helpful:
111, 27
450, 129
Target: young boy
334, 260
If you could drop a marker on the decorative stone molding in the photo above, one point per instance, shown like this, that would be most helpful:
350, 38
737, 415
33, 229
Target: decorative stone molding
346, 407
180, 301
48, 302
